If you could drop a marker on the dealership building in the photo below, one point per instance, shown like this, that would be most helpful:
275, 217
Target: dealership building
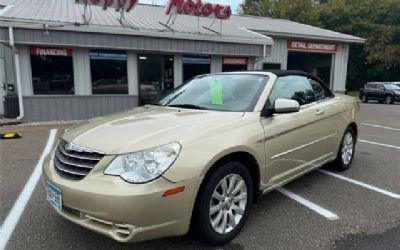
69, 61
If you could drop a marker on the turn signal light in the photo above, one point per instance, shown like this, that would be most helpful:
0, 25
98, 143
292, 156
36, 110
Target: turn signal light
174, 191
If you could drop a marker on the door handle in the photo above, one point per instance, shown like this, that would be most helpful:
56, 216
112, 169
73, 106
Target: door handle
319, 112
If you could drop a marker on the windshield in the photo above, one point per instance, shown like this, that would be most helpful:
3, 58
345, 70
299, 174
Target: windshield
392, 86
230, 92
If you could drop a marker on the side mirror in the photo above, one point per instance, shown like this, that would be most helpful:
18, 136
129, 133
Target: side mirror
286, 106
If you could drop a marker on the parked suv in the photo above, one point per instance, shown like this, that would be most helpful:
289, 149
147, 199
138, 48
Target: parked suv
383, 92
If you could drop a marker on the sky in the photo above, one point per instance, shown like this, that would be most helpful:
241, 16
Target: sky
233, 3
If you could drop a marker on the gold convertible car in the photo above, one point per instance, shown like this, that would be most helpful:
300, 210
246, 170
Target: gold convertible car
197, 160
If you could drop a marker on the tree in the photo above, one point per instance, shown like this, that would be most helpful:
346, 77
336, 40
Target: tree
304, 11
378, 21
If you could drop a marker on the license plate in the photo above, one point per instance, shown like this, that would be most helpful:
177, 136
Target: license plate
54, 196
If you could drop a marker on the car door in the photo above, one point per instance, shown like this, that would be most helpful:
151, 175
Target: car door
295, 142
380, 92
372, 91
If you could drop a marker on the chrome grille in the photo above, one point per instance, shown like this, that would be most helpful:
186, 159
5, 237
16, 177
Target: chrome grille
73, 161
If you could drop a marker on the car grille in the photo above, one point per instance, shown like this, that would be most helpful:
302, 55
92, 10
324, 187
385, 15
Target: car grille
73, 161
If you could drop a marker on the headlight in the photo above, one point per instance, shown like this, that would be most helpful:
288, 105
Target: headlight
397, 92
146, 165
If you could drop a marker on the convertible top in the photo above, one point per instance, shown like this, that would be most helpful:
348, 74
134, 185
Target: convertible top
282, 72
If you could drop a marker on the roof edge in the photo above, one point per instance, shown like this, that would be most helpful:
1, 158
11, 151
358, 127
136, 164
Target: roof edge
114, 30
324, 38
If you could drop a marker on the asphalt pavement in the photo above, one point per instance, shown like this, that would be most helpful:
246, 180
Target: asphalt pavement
365, 200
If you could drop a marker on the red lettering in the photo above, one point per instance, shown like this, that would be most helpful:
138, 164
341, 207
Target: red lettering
207, 9
131, 5
178, 4
120, 4
227, 12
188, 7
197, 8
107, 3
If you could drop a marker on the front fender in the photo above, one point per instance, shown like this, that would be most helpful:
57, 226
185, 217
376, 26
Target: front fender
198, 156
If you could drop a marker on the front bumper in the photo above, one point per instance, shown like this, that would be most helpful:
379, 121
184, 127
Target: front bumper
123, 211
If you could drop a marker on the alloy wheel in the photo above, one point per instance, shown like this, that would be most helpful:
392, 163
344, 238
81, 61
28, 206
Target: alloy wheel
347, 148
388, 100
228, 203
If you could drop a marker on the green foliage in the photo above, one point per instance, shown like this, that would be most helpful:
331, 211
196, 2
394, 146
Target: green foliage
378, 21
303, 11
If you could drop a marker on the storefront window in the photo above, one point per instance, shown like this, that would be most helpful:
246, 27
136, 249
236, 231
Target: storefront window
52, 71
195, 65
156, 77
230, 64
109, 72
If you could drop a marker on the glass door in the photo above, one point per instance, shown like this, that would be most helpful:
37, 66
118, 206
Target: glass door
156, 77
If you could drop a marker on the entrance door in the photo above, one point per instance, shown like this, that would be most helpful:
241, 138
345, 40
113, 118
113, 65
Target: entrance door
318, 64
156, 77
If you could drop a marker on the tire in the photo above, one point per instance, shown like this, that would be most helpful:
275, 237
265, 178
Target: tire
364, 99
343, 159
389, 100
201, 226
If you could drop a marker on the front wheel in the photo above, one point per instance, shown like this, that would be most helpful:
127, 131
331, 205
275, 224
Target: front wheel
389, 100
223, 203
364, 99
345, 155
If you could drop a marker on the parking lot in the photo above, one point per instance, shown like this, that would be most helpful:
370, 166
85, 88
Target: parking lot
357, 209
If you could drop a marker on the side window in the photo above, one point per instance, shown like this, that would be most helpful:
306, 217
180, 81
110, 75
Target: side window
293, 87
319, 91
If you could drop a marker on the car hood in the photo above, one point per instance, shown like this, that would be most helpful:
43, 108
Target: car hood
146, 127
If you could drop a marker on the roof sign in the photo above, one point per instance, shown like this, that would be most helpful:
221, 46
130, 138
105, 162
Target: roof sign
311, 46
118, 5
188, 7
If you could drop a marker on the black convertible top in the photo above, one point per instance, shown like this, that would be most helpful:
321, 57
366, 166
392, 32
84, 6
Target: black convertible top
281, 72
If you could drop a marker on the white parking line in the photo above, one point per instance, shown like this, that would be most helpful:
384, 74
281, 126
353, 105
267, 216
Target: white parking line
379, 144
362, 184
320, 210
13, 217
380, 126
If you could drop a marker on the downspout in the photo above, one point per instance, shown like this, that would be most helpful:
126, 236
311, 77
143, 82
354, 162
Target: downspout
264, 51
17, 73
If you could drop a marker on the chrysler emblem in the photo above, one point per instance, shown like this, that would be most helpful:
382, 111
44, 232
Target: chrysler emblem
68, 146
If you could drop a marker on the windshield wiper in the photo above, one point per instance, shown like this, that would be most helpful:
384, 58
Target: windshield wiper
187, 106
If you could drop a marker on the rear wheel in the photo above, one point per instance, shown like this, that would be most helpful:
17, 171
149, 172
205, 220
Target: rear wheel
364, 99
389, 100
345, 155
223, 204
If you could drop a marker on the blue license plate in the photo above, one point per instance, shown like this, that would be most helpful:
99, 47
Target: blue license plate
54, 195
